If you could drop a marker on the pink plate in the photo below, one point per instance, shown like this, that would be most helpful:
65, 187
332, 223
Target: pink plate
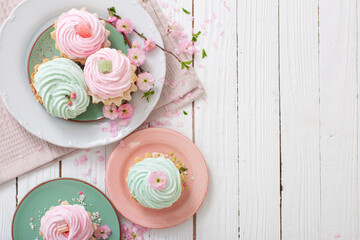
164, 141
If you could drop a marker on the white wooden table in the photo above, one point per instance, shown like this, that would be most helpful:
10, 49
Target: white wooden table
279, 128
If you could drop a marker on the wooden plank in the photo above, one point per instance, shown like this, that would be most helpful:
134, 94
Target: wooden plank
87, 165
31, 179
216, 125
339, 119
258, 94
7, 207
299, 84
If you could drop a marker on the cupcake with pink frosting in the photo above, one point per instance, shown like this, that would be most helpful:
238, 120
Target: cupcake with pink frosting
78, 34
67, 222
110, 77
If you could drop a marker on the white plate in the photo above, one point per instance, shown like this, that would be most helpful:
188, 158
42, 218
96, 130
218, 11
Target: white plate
18, 35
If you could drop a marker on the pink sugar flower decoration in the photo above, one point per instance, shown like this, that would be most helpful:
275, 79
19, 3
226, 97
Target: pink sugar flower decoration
112, 19
136, 44
158, 180
125, 111
149, 45
145, 81
125, 26
110, 111
102, 232
187, 47
136, 56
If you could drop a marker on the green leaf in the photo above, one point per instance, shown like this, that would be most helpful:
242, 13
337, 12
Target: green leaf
186, 64
204, 55
147, 95
185, 113
185, 11
112, 11
195, 36
183, 169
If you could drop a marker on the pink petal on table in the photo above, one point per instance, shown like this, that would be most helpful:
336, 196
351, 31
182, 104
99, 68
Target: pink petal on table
200, 65
197, 107
122, 144
99, 123
337, 235
87, 150
100, 158
182, 83
163, 4
207, 21
228, 8
203, 26
222, 33
76, 162
214, 16
83, 159
190, 95
86, 173
94, 180
40, 148
215, 45
218, 24
97, 152
104, 129
204, 99
180, 124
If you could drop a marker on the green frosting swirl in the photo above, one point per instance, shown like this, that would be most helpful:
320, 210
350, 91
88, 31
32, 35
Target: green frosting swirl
54, 83
139, 185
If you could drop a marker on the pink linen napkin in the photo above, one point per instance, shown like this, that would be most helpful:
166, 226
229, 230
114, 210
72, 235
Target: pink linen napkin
22, 152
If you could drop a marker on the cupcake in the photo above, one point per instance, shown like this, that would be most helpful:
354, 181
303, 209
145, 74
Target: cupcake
110, 77
157, 181
78, 34
67, 222
60, 87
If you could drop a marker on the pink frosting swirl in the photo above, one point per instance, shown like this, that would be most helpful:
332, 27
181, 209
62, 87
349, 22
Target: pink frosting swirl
112, 84
70, 42
75, 216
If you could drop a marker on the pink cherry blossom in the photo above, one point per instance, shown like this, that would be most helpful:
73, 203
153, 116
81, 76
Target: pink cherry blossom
102, 232
125, 26
136, 56
149, 45
136, 43
110, 111
187, 47
125, 111
145, 81
175, 30
132, 232
112, 19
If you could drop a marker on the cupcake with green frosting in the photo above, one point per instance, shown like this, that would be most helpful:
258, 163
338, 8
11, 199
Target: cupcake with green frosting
60, 87
157, 181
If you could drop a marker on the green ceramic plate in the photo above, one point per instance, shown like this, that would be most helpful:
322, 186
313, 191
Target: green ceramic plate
48, 194
44, 47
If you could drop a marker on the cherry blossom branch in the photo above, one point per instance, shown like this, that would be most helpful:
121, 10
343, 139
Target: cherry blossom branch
165, 50
141, 35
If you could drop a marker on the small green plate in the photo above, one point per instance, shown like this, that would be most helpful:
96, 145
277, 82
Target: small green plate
44, 47
49, 193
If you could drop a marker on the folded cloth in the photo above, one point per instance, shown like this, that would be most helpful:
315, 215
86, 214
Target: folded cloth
22, 152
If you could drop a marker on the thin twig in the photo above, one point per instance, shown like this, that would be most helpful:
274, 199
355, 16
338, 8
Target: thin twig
141, 35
